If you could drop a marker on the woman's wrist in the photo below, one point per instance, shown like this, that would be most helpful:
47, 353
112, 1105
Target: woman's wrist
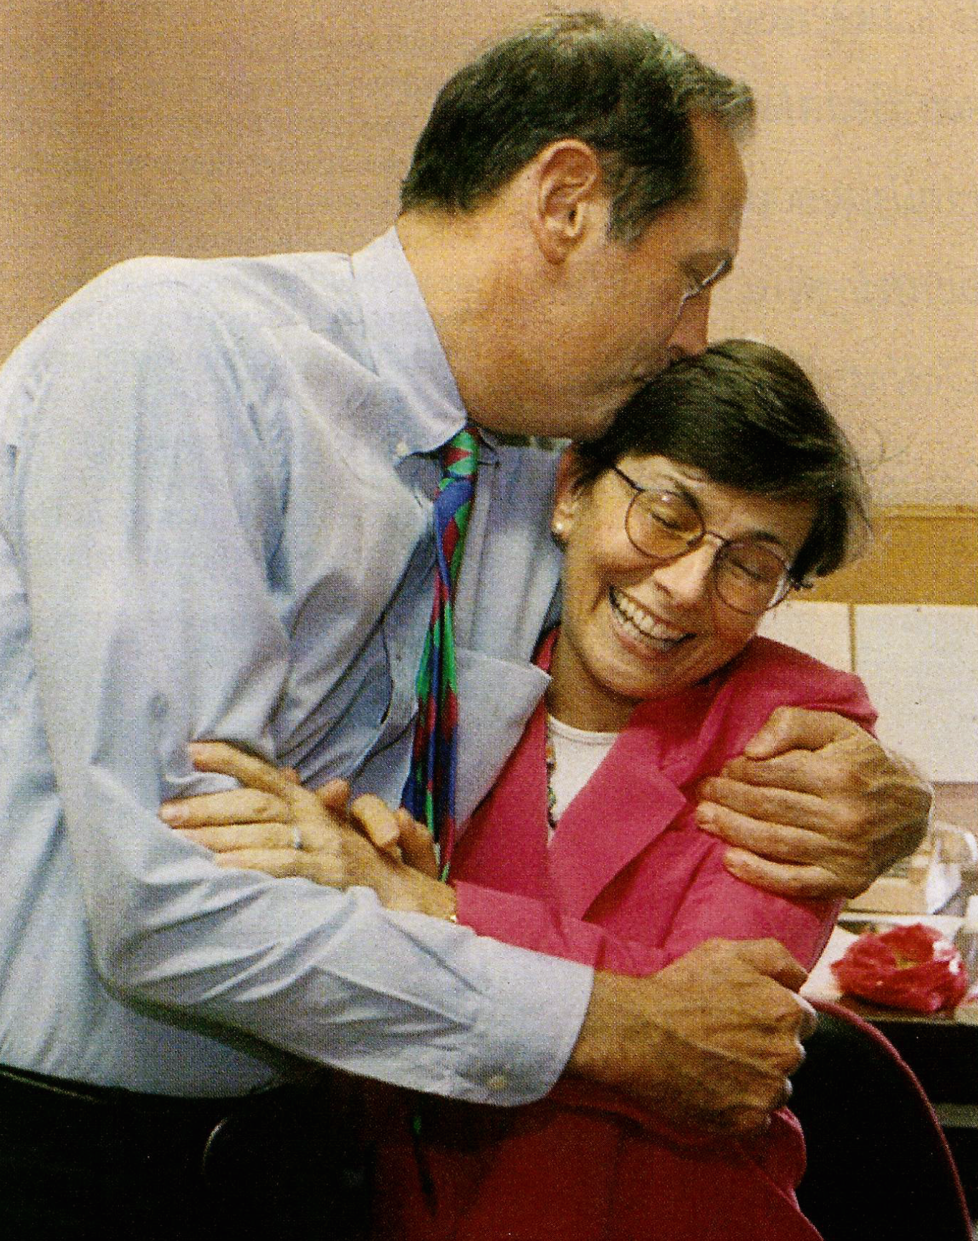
444, 903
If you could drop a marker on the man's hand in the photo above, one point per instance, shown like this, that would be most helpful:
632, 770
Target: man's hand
815, 807
708, 1042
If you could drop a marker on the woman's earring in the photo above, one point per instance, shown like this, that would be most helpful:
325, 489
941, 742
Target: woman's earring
557, 529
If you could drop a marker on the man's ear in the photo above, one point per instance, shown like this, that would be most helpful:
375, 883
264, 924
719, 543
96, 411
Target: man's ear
569, 196
567, 493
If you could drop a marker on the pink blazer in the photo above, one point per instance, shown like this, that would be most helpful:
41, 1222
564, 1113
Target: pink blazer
629, 883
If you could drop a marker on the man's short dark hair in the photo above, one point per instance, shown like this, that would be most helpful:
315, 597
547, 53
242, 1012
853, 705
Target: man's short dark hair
622, 87
749, 417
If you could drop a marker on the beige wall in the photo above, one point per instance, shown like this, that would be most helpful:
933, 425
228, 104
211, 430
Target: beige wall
204, 127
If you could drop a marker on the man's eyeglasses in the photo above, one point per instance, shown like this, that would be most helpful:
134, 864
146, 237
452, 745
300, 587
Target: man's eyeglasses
748, 576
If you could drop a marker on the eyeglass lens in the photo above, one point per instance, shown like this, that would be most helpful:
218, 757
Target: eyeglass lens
748, 576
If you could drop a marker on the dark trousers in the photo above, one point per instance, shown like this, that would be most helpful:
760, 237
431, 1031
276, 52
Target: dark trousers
81, 1163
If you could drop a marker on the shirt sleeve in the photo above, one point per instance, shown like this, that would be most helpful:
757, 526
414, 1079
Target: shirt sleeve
149, 493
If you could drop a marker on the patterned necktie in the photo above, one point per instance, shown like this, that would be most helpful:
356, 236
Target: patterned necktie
429, 793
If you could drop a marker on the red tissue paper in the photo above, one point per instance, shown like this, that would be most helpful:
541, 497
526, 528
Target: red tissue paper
911, 967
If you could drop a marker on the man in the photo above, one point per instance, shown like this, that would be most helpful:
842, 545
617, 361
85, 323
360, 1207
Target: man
216, 523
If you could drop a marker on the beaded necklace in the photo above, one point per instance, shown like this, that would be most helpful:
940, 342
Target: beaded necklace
550, 758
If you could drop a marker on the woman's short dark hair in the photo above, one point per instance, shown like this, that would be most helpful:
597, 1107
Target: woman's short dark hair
618, 85
749, 417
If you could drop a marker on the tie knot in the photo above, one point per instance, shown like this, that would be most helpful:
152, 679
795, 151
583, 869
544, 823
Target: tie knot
460, 456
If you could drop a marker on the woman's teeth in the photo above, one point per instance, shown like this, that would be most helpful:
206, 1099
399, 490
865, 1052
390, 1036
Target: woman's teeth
644, 624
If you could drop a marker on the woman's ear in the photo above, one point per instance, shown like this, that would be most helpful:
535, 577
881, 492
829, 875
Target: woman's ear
567, 494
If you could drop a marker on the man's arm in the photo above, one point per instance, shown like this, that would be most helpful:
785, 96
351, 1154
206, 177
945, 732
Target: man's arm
815, 807
150, 495
708, 1041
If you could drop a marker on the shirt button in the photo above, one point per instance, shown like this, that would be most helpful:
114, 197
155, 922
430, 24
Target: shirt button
498, 1081
401, 449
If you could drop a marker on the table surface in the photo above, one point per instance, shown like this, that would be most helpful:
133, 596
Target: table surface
942, 1051
957, 803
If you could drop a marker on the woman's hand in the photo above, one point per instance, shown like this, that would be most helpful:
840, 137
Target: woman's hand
274, 825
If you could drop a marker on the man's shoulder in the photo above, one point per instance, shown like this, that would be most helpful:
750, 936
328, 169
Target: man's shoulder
272, 290
234, 311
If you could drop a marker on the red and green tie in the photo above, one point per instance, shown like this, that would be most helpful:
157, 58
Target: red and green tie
430, 790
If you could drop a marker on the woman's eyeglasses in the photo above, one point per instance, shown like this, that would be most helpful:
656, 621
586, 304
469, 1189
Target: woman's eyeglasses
748, 575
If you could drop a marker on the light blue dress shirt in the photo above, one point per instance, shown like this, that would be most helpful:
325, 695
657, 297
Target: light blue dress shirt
215, 522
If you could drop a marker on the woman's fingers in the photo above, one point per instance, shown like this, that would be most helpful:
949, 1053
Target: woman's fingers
231, 806
250, 770
272, 818
378, 822
417, 846
280, 836
334, 794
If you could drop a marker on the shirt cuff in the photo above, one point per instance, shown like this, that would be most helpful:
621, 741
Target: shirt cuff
527, 1028
524, 1017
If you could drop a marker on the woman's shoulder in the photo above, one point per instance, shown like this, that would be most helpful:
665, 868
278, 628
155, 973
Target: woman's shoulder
791, 677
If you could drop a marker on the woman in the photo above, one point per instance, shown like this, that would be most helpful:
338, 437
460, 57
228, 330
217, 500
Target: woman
721, 486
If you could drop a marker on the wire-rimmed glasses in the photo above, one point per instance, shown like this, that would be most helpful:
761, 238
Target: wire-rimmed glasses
747, 574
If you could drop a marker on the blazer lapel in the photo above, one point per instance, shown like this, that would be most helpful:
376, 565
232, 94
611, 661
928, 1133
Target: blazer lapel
625, 805
636, 793
504, 845
633, 797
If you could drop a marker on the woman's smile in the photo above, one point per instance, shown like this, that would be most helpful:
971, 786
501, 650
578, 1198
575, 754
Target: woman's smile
635, 627
645, 626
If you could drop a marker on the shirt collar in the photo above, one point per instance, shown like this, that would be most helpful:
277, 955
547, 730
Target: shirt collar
407, 353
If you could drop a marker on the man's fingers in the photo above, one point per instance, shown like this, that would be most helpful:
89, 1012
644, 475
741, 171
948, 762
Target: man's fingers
771, 958
232, 806
218, 756
809, 1019
779, 841
796, 728
799, 771
800, 882
735, 811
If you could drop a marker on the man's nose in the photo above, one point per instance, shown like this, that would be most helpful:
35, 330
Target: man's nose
690, 335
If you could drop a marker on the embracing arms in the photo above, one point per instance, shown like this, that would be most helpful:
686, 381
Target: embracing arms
708, 1040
